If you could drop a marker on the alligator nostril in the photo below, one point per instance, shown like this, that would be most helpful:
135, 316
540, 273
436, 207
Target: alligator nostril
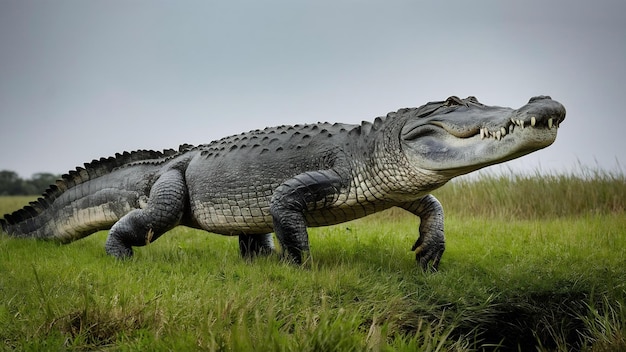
540, 97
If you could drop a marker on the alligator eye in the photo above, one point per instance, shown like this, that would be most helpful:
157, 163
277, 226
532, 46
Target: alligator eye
472, 99
453, 100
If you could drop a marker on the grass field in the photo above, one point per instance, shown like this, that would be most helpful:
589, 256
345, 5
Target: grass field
532, 263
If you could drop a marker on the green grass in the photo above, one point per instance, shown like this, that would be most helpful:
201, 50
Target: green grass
551, 278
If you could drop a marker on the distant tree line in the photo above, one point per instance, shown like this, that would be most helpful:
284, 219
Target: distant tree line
13, 185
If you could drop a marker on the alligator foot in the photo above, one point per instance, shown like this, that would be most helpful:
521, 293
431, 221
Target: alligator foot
428, 252
115, 247
251, 246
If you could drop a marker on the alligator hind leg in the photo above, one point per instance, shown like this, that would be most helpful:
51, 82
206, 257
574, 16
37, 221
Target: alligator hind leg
252, 245
164, 210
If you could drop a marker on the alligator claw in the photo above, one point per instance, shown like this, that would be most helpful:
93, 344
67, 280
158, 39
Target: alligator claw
428, 253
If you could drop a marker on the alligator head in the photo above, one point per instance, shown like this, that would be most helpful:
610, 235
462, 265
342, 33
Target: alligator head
458, 136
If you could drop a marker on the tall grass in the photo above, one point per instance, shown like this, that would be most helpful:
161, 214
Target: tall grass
543, 276
535, 196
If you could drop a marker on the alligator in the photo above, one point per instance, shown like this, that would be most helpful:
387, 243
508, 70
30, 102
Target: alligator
285, 179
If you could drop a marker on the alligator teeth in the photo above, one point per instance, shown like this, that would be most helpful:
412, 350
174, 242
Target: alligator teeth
518, 123
497, 135
503, 131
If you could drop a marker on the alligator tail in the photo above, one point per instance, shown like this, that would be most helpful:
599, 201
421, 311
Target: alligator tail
88, 199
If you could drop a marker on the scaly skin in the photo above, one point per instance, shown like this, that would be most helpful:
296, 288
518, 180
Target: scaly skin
285, 179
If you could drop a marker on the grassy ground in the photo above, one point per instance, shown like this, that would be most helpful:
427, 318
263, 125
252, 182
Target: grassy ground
551, 278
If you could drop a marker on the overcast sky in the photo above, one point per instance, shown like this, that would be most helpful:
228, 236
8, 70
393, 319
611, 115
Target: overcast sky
81, 80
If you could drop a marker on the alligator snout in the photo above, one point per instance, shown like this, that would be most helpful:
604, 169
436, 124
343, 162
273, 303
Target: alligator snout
543, 108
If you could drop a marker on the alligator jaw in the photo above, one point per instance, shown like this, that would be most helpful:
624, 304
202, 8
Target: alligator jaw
498, 134
495, 132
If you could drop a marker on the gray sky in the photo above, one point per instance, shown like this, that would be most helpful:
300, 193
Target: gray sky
81, 80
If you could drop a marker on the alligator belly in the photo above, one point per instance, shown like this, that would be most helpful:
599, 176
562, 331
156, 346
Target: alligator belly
232, 218
342, 212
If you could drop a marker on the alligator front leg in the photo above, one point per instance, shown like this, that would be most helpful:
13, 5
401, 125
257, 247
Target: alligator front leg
164, 210
430, 245
291, 200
